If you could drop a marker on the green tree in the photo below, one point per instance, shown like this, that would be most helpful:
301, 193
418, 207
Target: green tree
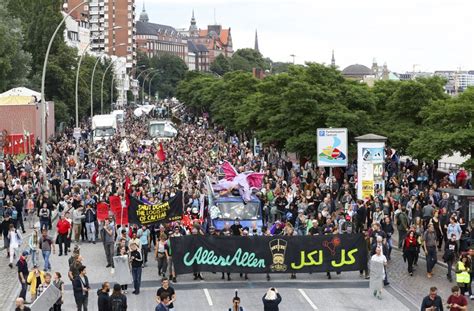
171, 69
246, 59
448, 126
221, 65
399, 107
14, 60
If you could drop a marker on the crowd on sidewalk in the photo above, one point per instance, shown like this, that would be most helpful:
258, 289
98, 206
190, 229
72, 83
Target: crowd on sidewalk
297, 198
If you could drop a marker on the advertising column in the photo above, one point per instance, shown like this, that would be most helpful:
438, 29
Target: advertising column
370, 165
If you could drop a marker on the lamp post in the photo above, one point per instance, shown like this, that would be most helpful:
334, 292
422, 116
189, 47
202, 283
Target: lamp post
102, 86
149, 83
143, 85
77, 82
139, 75
43, 102
93, 73
112, 93
92, 85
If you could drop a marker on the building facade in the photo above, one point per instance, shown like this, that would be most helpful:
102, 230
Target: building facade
111, 28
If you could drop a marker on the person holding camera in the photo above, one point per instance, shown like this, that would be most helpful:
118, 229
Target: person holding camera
271, 300
432, 302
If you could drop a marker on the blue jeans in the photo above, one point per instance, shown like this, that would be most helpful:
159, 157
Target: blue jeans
431, 258
34, 256
44, 224
47, 264
137, 278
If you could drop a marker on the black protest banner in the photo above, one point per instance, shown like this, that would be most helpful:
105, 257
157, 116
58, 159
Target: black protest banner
262, 254
143, 213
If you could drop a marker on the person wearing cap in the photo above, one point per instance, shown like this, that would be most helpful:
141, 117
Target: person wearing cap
35, 279
23, 272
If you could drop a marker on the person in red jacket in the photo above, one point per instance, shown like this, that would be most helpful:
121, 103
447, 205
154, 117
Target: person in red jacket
63, 228
409, 250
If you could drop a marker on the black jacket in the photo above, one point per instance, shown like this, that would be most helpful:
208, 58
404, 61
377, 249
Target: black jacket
77, 287
271, 305
103, 301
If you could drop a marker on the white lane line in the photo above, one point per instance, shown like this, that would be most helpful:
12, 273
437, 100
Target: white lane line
307, 299
208, 296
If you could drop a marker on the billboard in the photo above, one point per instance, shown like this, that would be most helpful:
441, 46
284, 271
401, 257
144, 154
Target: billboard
332, 147
370, 168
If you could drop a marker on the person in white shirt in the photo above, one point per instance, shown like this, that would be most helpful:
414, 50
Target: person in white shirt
375, 277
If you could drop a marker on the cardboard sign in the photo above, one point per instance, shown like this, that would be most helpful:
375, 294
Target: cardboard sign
47, 299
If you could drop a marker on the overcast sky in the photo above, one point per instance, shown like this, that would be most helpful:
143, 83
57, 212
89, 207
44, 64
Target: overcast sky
431, 34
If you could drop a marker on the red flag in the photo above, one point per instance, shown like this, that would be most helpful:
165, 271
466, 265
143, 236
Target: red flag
161, 153
102, 211
94, 176
121, 213
128, 190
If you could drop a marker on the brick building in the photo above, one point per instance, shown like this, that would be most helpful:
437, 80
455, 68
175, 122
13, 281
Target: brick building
155, 39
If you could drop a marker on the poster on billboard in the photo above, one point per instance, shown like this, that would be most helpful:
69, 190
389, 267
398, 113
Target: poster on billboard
370, 159
332, 147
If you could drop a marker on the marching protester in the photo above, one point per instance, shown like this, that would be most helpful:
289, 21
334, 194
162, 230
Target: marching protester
20, 305
117, 301
35, 279
432, 302
136, 261
457, 301
103, 301
59, 285
166, 288
33, 246
23, 272
46, 245
81, 289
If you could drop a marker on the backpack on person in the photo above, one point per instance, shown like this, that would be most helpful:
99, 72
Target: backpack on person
116, 303
14, 214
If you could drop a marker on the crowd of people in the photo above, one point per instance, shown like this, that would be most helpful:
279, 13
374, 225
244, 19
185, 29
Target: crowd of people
297, 198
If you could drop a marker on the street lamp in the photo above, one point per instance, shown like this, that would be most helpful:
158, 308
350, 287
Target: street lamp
149, 82
143, 85
102, 86
93, 72
77, 81
112, 93
139, 75
43, 102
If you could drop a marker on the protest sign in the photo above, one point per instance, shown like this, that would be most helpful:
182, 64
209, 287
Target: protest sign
47, 299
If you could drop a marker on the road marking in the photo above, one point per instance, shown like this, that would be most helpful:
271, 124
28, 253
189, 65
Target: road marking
307, 299
208, 296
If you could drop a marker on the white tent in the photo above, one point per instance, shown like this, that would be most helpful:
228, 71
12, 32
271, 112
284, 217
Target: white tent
21, 91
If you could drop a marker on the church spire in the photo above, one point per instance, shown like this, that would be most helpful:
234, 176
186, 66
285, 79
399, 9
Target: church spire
144, 15
193, 30
256, 42
333, 60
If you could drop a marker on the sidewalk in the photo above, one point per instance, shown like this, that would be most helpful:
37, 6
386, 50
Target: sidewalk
10, 285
